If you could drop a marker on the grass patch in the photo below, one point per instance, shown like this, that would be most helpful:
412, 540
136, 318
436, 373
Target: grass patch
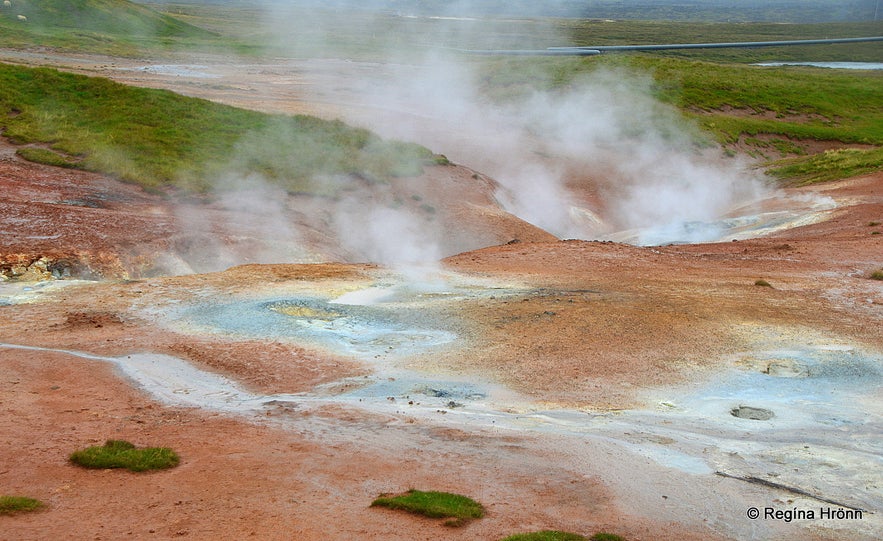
762, 283
159, 140
786, 147
122, 454
545, 535
555, 535
877, 275
588, 32
800, 103
458, 509
769, 107
829, 165
10, 505
47, 157
602, 536
117, 27
114, 17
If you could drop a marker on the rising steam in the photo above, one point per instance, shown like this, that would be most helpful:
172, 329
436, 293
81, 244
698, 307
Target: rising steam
639, 155
597, 158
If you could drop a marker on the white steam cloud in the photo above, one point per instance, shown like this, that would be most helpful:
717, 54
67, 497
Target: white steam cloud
598, 158
637, 156
249, 220
379, 233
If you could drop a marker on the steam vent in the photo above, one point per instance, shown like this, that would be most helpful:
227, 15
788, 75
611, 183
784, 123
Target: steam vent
532, 270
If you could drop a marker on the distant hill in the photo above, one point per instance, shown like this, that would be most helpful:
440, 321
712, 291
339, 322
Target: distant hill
110, 17
780, 11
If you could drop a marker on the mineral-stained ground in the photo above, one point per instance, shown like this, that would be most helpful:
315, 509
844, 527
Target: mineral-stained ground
566, 385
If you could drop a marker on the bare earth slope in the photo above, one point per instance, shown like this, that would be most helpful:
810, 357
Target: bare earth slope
72, 223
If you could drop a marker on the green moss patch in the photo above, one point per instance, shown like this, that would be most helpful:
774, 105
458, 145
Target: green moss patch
122, 454
603, 536
47, 157
545, 535
10, 505
555, 535
458, 509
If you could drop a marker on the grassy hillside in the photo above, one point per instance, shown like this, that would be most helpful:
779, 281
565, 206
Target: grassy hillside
162, 140
321, 30
780, 115
769, 113
594, 32
107, 16
107, 26
787, 11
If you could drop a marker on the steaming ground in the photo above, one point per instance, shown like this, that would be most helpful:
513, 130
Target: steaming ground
569, 385
596, 381
642, 157
583, 371
602, 160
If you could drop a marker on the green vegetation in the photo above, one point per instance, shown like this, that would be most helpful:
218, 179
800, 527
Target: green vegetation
48, 157
829, 165
459, 509
730, 99
104, 26
107, 16
877, 275
554, 535
122, 454
776, 114
363, 33
742, 105
545, 535
159, 139
762, 283
10, 505
589, 32
781, 116
606, 537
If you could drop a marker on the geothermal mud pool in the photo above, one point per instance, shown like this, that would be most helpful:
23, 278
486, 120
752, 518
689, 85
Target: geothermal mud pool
800, 410
385, 327
802, 393
787, 392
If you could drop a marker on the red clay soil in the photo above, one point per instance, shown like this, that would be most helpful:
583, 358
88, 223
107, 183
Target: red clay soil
244, 478
593, 326
605, 312
66, 223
